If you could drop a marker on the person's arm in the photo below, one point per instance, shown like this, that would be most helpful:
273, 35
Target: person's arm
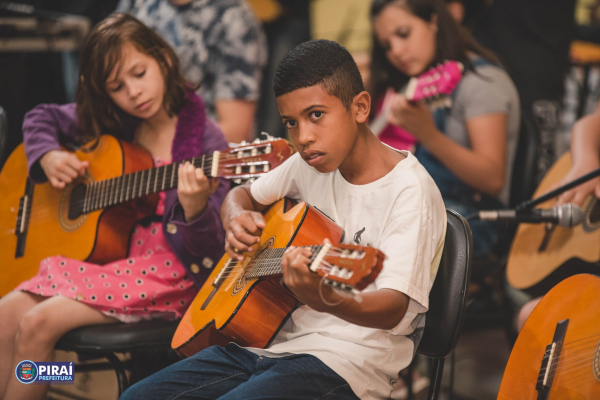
194, 207
242, 220
238, 55
43, 129
585, 153
483, 166
236, 119
380, 309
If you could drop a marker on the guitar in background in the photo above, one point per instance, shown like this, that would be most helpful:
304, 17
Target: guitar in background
542, 255
557, 353
434, 87
244, 302
91, 219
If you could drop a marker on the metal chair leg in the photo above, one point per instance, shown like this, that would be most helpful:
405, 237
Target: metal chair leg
436, 378
119, 370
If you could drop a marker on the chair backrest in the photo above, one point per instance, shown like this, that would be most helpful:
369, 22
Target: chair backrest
523, 179
3, 137
447, 299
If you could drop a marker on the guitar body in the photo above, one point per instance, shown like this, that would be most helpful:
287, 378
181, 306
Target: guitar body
250, 312
99, 237
538, 271
577, 373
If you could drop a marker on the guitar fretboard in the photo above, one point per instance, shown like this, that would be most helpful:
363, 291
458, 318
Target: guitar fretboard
268, 262
109, 192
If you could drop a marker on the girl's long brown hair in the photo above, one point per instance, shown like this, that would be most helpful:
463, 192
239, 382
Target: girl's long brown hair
453, 42
97, 114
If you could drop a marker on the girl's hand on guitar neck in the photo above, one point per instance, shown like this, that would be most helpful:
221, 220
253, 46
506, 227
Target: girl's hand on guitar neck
414, 117
62, 167
193, 190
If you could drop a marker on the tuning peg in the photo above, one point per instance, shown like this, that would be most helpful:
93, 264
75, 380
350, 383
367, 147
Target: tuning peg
257, 140
267, 136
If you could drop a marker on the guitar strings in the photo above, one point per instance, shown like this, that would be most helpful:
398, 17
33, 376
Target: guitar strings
118, 189
268, 263
580, 342
574, 363
566, 354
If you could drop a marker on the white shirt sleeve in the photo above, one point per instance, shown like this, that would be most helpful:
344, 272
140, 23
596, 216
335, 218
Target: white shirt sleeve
283, 181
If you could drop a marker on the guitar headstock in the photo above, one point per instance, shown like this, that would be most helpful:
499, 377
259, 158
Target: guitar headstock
248, 161
435, 85
348, 267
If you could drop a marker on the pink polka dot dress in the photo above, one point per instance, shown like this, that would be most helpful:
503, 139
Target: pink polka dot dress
151, 283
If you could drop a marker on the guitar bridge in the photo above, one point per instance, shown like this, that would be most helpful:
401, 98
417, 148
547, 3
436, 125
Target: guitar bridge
23, 218
551, 355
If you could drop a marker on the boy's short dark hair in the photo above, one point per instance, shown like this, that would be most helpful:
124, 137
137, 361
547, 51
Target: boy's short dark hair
319, 62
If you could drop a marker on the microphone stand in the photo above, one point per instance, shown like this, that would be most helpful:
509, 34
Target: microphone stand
529, 204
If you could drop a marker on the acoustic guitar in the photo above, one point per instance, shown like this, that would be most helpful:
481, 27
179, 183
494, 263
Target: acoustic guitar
244, 302
434, 87
542, 255
557, 353
91, 219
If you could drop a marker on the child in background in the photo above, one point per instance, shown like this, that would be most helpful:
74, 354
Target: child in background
130, 86
468, 149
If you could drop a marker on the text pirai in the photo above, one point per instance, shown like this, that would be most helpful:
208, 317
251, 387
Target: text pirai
46, 372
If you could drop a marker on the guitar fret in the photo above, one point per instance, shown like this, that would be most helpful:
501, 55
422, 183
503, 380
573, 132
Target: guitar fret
95, 198
164, 175
128, 177
148, 181
155, 180
135, 174
114, 190
101, 197
141, 180
121, 189
172, 175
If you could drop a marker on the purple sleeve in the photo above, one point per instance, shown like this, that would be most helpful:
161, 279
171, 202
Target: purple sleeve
44, 127
204, 237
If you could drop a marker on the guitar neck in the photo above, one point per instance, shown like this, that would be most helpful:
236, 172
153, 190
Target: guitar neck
268, 263
97, 195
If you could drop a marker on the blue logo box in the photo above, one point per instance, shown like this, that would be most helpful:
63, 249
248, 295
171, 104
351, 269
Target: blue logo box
43, 373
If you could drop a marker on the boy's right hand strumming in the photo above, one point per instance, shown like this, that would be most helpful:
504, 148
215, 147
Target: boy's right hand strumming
242, 221
62, 167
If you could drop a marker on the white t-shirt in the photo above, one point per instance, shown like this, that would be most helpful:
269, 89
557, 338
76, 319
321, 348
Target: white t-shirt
403, 215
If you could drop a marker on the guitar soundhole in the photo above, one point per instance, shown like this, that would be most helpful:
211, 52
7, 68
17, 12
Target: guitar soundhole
597, 363
70, 209
76, 203
592, 219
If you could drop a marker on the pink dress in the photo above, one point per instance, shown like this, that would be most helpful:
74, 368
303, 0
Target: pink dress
151, 283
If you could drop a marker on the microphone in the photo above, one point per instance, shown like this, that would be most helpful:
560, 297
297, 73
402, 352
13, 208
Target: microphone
566, 215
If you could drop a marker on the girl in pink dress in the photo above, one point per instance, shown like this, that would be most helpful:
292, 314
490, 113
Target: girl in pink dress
130, 85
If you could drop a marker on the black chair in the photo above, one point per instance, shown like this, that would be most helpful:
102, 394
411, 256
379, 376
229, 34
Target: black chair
107, 340
3, 137
447, 299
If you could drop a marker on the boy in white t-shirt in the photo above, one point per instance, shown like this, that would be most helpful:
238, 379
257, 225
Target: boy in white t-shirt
381, 197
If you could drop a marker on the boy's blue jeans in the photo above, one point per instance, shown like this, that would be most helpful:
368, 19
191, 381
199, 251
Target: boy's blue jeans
232, 372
